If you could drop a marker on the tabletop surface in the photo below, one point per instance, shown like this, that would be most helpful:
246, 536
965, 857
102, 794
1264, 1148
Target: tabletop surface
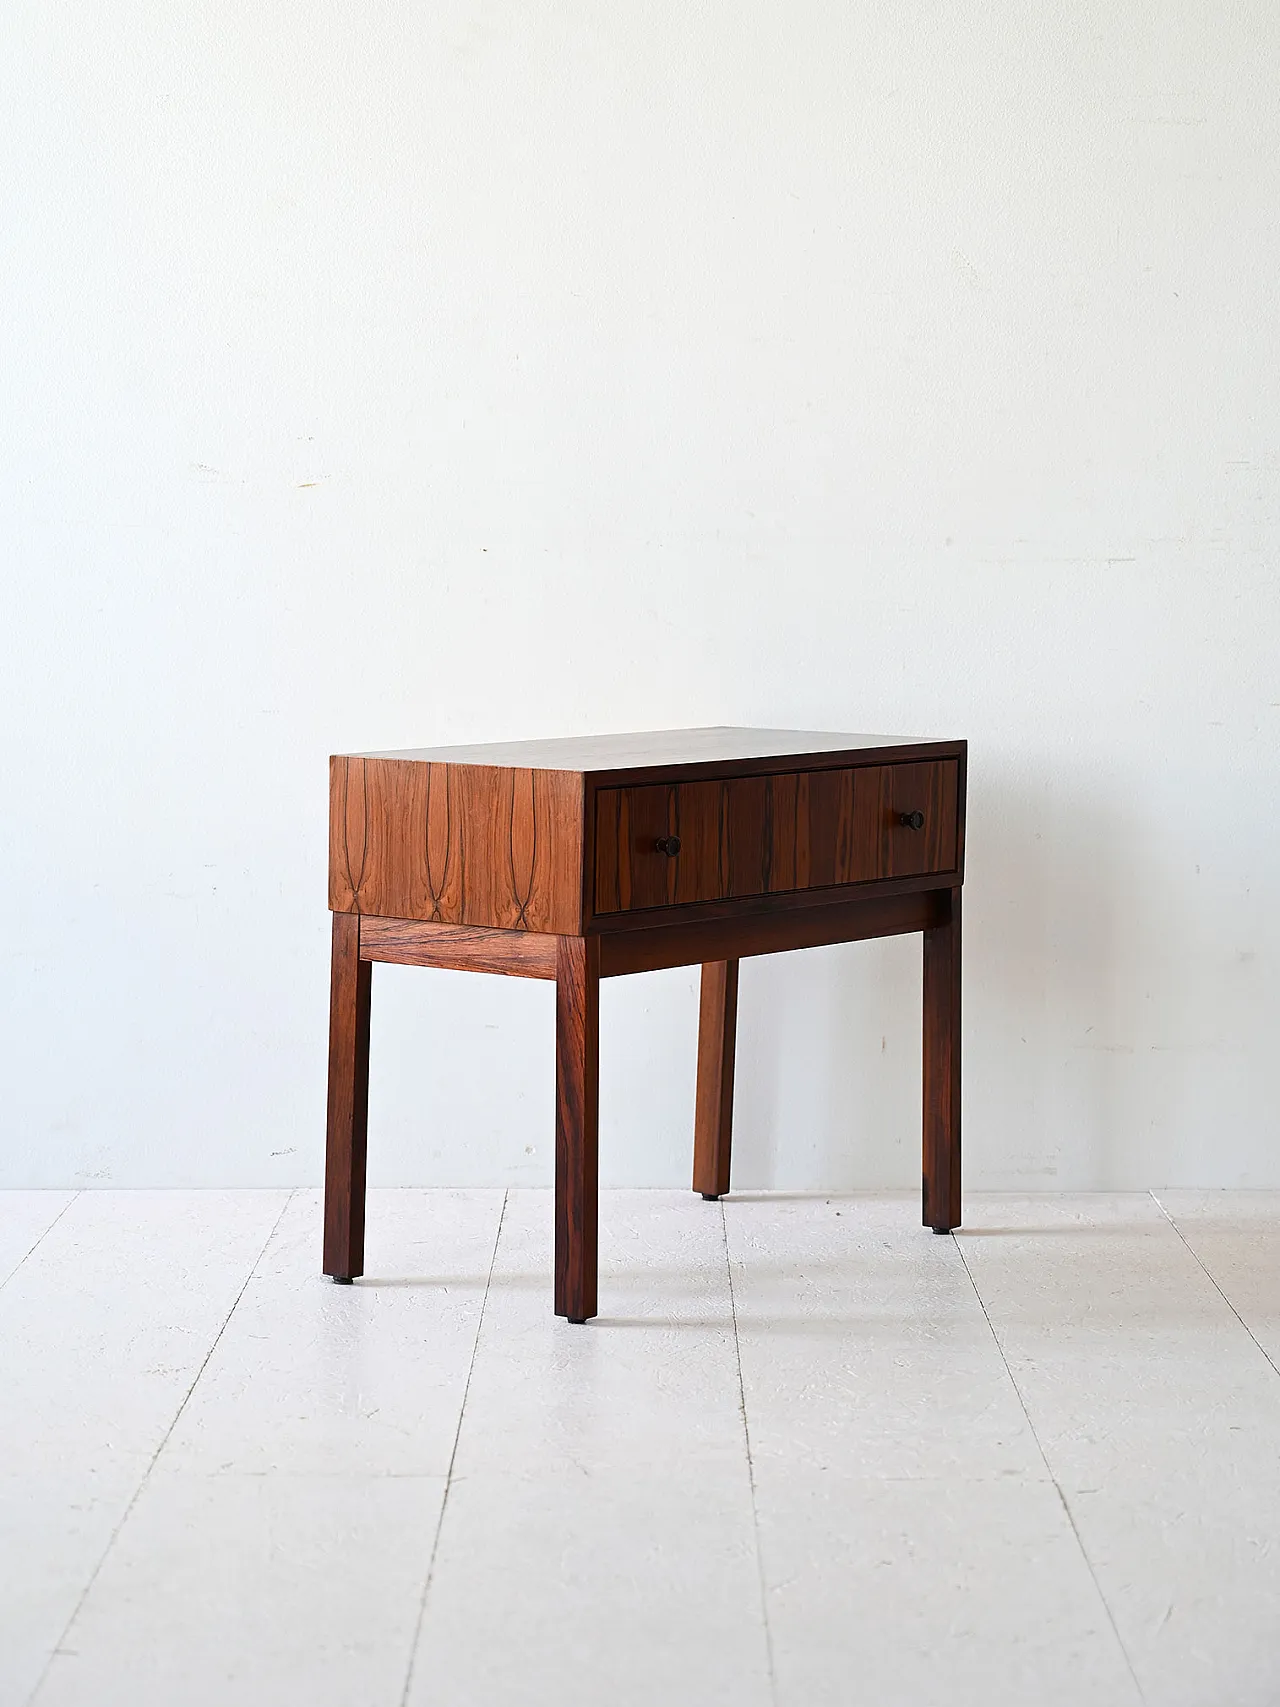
651, 748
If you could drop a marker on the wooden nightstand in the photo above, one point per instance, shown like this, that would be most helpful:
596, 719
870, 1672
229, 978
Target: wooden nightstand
582, 859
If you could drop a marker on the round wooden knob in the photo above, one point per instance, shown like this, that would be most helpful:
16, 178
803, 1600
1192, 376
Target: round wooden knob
912, 820
669, 845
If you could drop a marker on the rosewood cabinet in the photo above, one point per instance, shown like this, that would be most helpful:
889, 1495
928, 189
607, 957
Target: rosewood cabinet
582, 859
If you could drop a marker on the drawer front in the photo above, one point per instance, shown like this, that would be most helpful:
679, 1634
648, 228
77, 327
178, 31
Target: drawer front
767, 835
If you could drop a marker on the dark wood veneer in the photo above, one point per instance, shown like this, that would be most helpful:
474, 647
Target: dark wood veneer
698, 941
595, 857
672, 844
942, 1069
348, 1124
455, 844
629, 756
459, 948
713, 1109
577, 1124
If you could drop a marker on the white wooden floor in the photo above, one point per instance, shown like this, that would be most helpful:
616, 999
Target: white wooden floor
808, 1454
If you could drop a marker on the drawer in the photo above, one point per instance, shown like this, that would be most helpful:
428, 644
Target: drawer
769, 835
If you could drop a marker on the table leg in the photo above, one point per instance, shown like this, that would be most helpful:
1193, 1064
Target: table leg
713, 1120
942, 1072
577, 1124
348, 1102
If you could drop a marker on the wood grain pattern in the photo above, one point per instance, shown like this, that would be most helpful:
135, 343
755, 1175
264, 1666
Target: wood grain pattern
764, 835
577, 1125
713, 1113
757, 906
348, 1123
941, 1208
695, 942
459, 948
927, 788
541, 861
456, 844
962, 790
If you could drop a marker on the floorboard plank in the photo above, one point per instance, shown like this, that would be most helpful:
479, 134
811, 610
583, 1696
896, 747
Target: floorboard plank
1235, 1235
910, 1532
25, 1218
598, 1542
1160, 1419
310, 1462
1039, 1460
103, 1330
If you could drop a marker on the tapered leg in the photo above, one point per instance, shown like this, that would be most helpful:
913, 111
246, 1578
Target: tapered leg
577, 1124
942, 1072
713, 1118
348, 1102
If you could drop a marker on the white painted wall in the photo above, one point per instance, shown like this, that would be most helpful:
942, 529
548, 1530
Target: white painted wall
380, 374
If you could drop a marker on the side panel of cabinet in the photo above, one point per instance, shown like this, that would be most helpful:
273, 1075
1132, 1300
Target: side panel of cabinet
456, 844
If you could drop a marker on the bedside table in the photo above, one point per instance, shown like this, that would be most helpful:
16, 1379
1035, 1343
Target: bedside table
581, 859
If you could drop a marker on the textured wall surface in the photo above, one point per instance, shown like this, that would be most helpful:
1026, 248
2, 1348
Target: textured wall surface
385, 375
